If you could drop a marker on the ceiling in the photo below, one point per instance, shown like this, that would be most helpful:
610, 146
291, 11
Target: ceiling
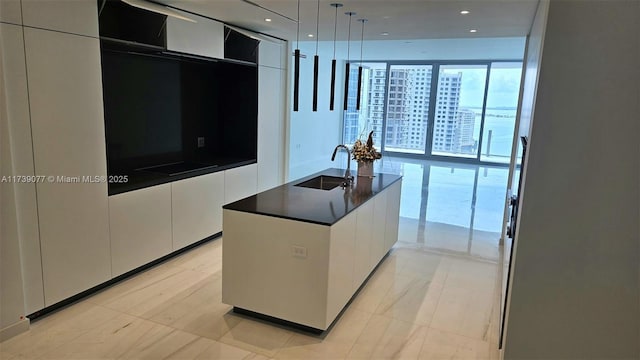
417, 19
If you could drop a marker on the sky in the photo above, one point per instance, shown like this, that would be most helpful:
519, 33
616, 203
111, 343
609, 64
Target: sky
504, 85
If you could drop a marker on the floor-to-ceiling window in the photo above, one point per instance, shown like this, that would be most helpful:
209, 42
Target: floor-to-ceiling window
454, 110
501, 109
458, 110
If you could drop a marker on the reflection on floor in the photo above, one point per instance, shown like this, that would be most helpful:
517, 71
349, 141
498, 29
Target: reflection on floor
435, 296
449, 207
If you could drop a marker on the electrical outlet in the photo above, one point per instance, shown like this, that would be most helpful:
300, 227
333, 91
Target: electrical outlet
201, 141
299, 251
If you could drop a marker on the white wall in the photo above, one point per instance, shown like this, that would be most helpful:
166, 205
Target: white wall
10, 12
532, 68
575, 289
528, 90
313, 135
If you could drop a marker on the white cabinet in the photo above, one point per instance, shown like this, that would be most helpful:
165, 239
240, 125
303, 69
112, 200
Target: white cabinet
393, 212
196, 208
363, 247
205, 37
140, 224
65, 94
10, 11
379, 228
342, 251
270, 128
15, 86
71, 16
240, 182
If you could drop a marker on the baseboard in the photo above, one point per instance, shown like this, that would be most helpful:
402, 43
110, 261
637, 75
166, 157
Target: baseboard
14, 329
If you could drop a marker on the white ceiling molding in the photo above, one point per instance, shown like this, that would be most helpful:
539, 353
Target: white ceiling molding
160, 9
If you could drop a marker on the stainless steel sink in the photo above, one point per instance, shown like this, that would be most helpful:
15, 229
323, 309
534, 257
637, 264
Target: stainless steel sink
322, 182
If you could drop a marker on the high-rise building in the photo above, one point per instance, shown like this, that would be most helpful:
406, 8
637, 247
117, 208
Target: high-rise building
463, 139
375, 100
396, 131
358, 123
447, 103
408, 108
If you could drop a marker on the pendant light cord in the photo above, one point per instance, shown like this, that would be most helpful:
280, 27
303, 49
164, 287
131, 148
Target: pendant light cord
298, 34
349, 38
318, 26
335, 30
362, 39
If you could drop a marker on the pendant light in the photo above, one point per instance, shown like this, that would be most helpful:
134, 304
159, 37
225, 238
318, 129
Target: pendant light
316, 61
333, 62
348, 66
296, 71
360, 66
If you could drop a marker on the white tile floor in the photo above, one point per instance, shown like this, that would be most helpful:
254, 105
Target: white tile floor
435, 296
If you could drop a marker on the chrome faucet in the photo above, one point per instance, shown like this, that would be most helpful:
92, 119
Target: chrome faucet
347, 174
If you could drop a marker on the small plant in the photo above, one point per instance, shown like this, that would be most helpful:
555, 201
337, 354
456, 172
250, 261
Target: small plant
365, 151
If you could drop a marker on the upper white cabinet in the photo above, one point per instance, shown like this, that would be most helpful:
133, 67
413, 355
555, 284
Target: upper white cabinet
140, 223
196, 208
240, 182
72, 16
65, 98
205, 37
270, 54
10, 11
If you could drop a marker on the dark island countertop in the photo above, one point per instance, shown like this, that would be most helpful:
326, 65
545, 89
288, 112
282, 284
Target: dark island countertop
324, 207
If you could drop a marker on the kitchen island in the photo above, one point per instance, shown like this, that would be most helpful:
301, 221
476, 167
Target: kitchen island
299, 254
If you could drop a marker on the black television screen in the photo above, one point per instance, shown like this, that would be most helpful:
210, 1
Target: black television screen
167, 114
142, 102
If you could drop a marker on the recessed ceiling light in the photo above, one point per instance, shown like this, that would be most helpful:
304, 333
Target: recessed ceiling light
384, 34
310, 35
464, 12
473, 30
385, 17
267, 20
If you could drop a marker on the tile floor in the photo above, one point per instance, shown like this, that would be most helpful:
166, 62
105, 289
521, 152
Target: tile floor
435, 296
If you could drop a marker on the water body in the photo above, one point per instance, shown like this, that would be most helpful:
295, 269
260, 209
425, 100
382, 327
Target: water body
502, 122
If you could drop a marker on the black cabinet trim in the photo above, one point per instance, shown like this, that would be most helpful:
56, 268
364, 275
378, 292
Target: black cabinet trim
159, 179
